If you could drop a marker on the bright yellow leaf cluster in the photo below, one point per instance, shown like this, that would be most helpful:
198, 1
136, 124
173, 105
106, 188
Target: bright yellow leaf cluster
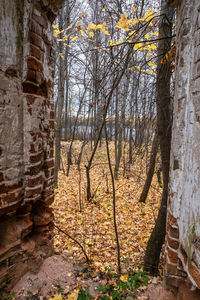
98, 27
123, 23
138, 46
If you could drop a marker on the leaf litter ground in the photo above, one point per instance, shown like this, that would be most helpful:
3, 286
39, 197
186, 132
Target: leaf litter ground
92, 223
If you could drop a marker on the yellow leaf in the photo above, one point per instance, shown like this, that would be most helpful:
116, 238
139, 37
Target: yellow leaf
77, 23
82, 14
138, 46
155, 33
124, 277
61, 55
152, 64
57, 297
91, 27
74, 38
105, 31
112, 43
134, 9
152, 47
67, 45
55, 26
132, 22
101, 26
147, 36
149, 54
131, 32
79, 28
103, 9
73, 295
91, 34
70, 26
64, 38
123, 22
118, 42
149, 15
138, 67
57, 32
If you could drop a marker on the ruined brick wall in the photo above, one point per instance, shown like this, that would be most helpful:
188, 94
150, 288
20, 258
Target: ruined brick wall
26, 135
183, 221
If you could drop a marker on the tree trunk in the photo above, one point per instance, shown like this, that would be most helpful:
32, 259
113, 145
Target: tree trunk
154, 151
164, 123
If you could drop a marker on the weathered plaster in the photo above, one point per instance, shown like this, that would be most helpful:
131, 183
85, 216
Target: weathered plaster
184, 189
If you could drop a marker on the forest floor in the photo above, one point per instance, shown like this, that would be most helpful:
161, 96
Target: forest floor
91, 224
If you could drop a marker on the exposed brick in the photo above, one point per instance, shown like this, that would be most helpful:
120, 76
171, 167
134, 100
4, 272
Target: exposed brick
48, 201
36, 52
31, 75
1, 176
24, 210
10, 208
194, 272
49, 183
12, 196
51, 114
32, 148
35, 87
47, 193
36, 158
172, 242
171, 269
172, 231
51, 124
36, 40
4, 188
52, 171
35, 27
34, 64
51, 154
33, 191
39, 77
49, 163
34, 181
172, 220
172, 255
30, 99
31, 88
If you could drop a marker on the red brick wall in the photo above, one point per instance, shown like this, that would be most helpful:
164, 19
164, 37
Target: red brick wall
27, 133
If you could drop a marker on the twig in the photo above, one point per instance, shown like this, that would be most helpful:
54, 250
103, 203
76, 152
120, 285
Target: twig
73, 239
